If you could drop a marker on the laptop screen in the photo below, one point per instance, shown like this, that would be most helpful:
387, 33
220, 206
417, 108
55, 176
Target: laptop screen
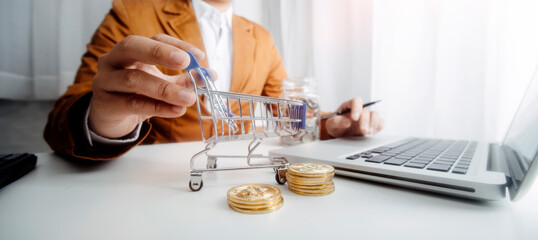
522, 138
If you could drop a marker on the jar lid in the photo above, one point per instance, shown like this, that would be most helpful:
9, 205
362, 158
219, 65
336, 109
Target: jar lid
299, 82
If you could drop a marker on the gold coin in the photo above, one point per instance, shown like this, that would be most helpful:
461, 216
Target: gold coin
331, 190
307, 177
307, 181
256, 207
310, 169
253, 194
291, 187
258, 211
313, 194
312, 187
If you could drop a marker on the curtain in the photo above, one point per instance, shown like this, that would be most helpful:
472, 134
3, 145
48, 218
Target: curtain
448, 69
41, 44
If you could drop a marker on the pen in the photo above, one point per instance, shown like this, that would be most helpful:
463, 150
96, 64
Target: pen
348, 110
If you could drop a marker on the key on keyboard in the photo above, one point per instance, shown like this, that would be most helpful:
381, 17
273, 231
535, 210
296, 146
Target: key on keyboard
430, 154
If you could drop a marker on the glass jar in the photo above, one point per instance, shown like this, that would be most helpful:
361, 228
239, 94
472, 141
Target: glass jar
303, 89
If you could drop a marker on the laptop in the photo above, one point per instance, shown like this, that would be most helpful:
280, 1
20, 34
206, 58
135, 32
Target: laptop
469, 169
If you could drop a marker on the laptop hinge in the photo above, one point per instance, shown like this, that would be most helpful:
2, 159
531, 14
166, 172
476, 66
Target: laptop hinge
497, 162
516, 165
496, 159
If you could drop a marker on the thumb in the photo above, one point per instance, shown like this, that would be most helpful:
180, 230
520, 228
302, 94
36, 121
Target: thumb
338, 126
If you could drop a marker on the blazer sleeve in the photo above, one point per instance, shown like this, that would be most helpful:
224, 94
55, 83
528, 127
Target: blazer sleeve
64, 129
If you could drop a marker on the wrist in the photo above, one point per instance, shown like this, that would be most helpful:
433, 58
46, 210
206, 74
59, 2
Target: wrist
324, 132
112, 128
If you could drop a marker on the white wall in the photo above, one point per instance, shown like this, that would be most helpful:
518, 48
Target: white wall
452, 69
335, 35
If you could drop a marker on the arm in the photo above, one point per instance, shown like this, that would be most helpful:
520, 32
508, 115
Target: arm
64, 130
120, 83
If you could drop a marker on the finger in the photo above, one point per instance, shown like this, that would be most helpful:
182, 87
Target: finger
380, 125
180, 79
214, 74
185, 46
338, 126
140, 82
134, 49
151, 69
356, 108
355, 105
144, 106
364, 122
374, 122
185, 81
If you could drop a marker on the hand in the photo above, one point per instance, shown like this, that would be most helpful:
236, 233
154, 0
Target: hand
360, 121
128, 88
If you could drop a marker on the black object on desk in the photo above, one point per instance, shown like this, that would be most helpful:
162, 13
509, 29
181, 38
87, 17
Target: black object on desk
15, 165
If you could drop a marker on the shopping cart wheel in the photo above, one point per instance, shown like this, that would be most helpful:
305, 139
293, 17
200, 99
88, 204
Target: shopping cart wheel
196, 183
280, 179
211, 163
195, 187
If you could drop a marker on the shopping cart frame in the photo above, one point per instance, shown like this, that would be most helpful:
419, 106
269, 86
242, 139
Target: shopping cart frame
274, 117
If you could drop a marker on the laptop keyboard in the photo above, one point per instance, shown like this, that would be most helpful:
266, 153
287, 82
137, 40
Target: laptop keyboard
430, 154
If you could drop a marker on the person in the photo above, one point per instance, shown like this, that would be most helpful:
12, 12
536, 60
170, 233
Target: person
131, 89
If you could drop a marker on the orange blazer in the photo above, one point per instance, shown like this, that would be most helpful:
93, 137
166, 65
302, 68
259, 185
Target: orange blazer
257, 69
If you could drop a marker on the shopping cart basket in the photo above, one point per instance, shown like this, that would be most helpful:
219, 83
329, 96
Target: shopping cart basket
273, 117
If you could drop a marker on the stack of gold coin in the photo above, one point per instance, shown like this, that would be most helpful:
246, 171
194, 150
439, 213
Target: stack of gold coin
255, 198
310, 179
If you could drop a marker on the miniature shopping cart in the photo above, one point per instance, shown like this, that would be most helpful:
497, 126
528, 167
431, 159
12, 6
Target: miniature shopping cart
273, 117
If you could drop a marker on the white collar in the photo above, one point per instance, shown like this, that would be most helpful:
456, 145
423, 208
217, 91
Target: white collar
205, 10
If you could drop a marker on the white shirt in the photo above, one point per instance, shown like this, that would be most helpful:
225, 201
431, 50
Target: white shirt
217, 32
216, 29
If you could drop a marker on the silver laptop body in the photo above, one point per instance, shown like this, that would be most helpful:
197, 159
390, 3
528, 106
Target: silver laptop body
492, 169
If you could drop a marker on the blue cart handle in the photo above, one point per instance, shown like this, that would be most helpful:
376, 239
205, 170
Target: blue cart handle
196, 66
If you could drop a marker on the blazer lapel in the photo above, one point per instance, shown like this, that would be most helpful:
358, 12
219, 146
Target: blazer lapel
178, 17
243, 53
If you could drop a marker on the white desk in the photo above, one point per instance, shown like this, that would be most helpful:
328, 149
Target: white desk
145, 195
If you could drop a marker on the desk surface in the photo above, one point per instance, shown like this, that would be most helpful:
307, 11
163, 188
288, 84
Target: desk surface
145, 195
